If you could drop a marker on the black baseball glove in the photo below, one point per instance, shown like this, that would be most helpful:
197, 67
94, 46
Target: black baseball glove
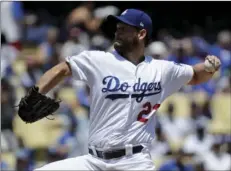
35, 106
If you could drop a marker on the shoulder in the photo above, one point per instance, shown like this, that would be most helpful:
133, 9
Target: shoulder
164, 64
162, 61
172, 64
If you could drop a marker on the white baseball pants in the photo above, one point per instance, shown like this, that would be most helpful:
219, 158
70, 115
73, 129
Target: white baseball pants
139, 161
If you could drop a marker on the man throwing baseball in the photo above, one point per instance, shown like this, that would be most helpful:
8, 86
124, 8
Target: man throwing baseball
127, 88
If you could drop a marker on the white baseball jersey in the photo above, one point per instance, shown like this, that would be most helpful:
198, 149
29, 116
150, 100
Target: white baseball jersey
124, 96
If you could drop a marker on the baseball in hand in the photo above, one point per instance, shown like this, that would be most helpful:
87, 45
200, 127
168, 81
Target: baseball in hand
212, 63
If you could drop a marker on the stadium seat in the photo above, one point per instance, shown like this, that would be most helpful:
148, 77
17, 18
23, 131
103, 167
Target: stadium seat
19, 67
68, 95
27, 51
220, 106
199, 97
40, 134
181, 102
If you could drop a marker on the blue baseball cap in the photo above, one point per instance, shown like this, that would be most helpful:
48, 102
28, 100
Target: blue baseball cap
136, 18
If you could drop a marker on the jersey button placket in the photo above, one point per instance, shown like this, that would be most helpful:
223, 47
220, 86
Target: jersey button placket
131, 100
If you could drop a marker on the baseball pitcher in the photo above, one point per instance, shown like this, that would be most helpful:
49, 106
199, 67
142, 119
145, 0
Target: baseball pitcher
127, 88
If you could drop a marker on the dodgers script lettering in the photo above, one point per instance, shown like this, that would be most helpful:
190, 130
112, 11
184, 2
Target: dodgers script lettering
141, 89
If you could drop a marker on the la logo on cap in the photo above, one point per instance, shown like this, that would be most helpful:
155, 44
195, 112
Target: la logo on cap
124, 12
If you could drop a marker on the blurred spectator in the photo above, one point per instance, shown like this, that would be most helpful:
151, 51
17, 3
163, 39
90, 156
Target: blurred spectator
7, 104
72, 142
82, 15
82, 117
32, 73
199, 166
199, 42
195, 115
73, 45
201, 46
12, 16
157, 50
224, 84
160, 146
175, 128
48, 51
89, 21
88, 18
24, 159
82, 33
103, 12
217, 159
8, 55
183, 52
83, 95
176, 164
4, 144
67, 145
164, 36
200, 141
222, 49
100, 42
206, 109
35, 30
9, 142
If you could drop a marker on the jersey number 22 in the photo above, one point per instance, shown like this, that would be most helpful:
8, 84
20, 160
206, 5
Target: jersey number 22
147, 108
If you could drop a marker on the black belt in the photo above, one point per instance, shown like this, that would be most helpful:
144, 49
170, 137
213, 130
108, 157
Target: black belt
110, 154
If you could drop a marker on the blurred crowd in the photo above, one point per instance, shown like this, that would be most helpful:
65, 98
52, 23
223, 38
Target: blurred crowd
183, 142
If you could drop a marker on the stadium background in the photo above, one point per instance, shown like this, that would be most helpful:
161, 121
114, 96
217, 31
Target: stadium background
193, 127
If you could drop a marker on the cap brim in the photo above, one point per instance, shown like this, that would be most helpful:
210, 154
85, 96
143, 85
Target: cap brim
117, 19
